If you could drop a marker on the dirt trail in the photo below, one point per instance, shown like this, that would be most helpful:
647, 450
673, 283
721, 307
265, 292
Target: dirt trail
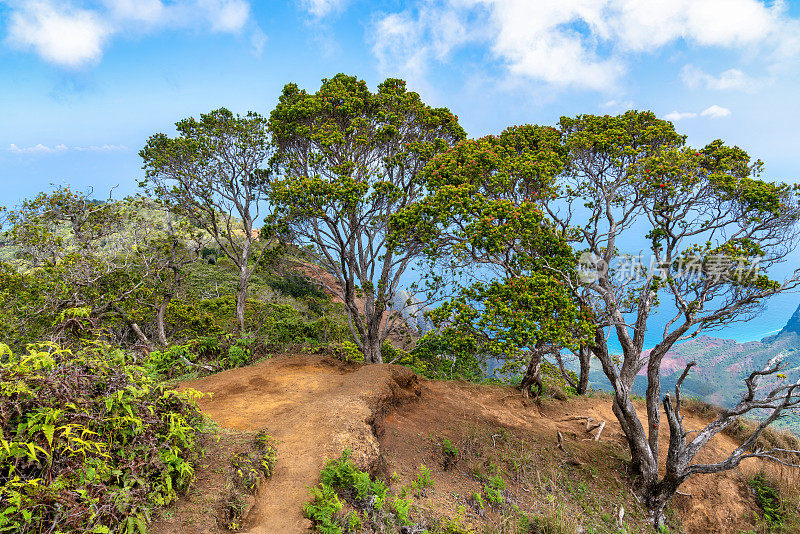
315, 408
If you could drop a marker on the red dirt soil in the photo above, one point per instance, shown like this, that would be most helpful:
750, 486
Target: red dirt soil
316, 407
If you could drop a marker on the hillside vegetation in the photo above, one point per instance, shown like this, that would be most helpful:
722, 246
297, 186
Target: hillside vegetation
282, 263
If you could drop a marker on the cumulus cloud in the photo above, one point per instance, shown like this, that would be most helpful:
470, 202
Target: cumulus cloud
410, 41
716, 112
44, 149
712, 112
59, 34
225, 15
679, 115
731, 79
63, 33
577, 42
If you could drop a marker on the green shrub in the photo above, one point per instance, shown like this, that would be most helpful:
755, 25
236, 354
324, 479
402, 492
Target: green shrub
246, 476
402, 509
233, 509
354, 522
322, 509
296, 286
341, 479
171, 361
391, 354
266, 447
247, 468
450, 453
347, 351
240, 352
769, 501
187, 321
493, 487
89, 442
342, 475
423, 480
445, 356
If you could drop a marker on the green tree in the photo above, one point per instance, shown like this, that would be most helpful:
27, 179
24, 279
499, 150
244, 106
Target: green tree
69, 258
350, 158
165, 247
483, 218
214, 172
714, 229
77, 264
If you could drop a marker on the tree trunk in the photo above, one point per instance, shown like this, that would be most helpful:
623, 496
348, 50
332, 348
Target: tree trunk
160, 317
372, 348
583, 377
532, 376
241, 297
133, 326
139, 334
656, 496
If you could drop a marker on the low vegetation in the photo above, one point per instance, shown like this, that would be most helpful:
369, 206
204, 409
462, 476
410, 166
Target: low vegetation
246, 472
89, 442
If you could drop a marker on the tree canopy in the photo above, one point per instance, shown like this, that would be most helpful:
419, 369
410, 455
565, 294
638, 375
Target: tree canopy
349, 159
215, 173
483, 218
714, 229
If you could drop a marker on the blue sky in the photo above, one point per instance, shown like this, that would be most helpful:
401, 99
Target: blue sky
84, 83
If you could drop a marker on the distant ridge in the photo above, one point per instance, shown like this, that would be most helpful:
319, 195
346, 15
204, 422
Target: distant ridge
791, 327
722, 366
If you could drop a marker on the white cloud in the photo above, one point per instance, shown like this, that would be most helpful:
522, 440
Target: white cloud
716, 112
257, 40
617, 105
225, 15
322, 8
409, 43
581, 43
44, 149
678, 115
59, 34
70, 36
712, 112
149, 11
731, 79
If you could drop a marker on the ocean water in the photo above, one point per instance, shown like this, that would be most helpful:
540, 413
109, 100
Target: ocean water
770, 320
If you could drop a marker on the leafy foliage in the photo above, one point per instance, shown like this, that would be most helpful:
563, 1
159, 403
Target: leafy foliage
341, 481
247, 470
214, 172
350, 158
769, 500
450, 452
89, 443
483, 219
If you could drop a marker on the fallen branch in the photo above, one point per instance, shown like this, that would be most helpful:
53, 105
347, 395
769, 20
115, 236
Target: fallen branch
600, 431
192, 364
575, 418
599, 424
